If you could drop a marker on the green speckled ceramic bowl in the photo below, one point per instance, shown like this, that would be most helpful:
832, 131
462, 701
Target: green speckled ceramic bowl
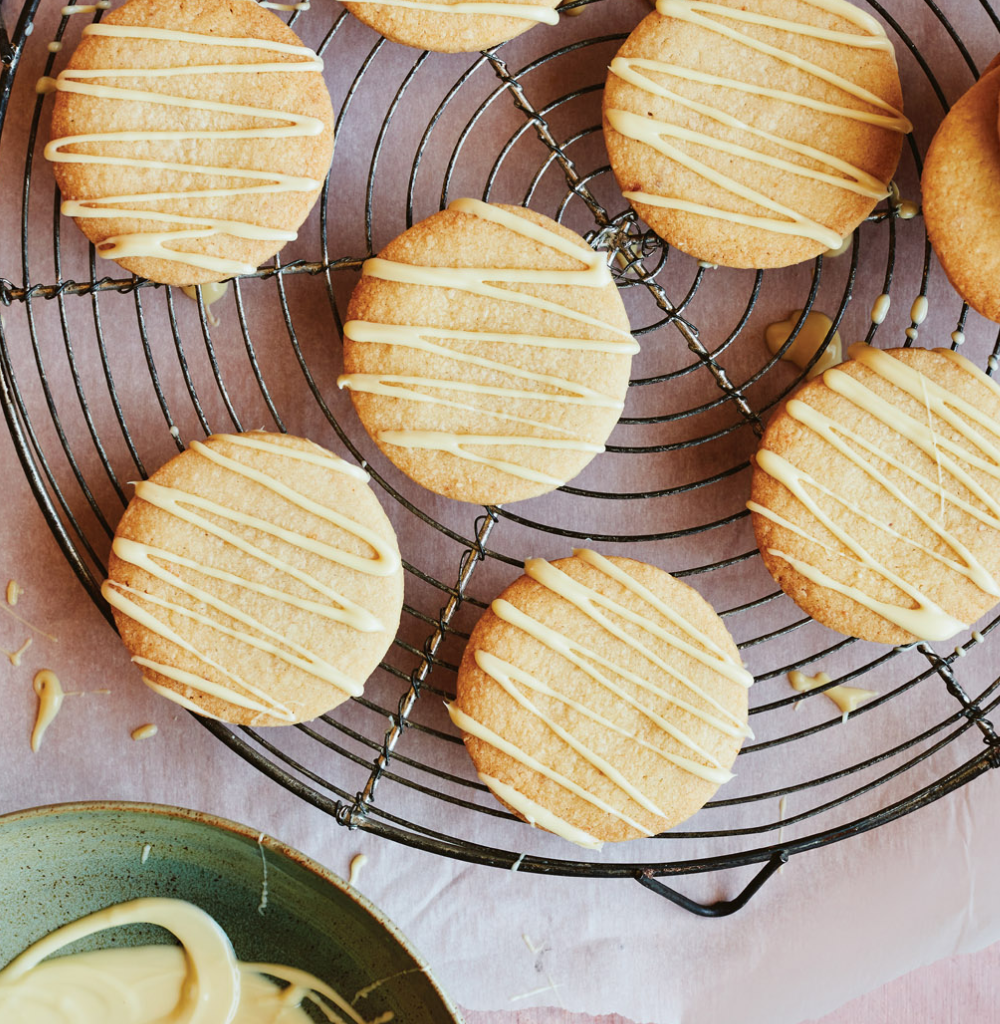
59, 863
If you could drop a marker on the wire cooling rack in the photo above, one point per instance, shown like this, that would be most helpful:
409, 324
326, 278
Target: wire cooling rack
102, 377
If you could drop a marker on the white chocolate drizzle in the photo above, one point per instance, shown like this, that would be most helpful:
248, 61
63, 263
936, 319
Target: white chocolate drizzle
330, 604
475, 8
176, 227
262, 905
487, 735
540, 817
924, 618
834, 171
436, 391
518, 682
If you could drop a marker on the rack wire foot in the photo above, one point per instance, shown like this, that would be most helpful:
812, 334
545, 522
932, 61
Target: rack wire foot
723, 908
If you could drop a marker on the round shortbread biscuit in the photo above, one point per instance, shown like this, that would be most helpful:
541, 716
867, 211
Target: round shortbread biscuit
214, 122
876, 495
754, 134
601, 699
960, 183
455, 328
472, 25
255, 578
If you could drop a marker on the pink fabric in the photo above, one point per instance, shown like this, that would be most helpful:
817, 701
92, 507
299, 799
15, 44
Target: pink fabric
959, 990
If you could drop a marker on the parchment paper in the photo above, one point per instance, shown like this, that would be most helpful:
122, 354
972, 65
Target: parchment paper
837, 921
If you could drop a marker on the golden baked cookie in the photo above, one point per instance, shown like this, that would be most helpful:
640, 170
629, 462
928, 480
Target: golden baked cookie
190, 138
255, 578
960, 184
487, 352
601, 699
876, 495
754, 134
453, 26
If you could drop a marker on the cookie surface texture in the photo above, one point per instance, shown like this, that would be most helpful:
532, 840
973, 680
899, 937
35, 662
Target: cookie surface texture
255, 578
960, 184
453, 26
487, 352
601, 699
190, 138
754, 134
876, 495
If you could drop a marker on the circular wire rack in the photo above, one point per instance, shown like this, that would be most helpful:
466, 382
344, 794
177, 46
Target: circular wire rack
103, 376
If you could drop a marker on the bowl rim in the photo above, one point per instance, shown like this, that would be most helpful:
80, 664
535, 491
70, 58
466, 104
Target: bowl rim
268, 842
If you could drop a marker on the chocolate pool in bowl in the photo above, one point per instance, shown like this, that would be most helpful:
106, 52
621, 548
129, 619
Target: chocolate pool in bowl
60, 863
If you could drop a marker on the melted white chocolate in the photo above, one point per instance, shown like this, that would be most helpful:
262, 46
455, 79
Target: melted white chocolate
176, 227
839, 250
70, 9
847, 698
198, 982
551, 390
880, 308
813, 332
358, 861
25, 622
517, 682
14, 657
211, 292
923, 618
50, 699
833, 170
475, 8
330, 604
